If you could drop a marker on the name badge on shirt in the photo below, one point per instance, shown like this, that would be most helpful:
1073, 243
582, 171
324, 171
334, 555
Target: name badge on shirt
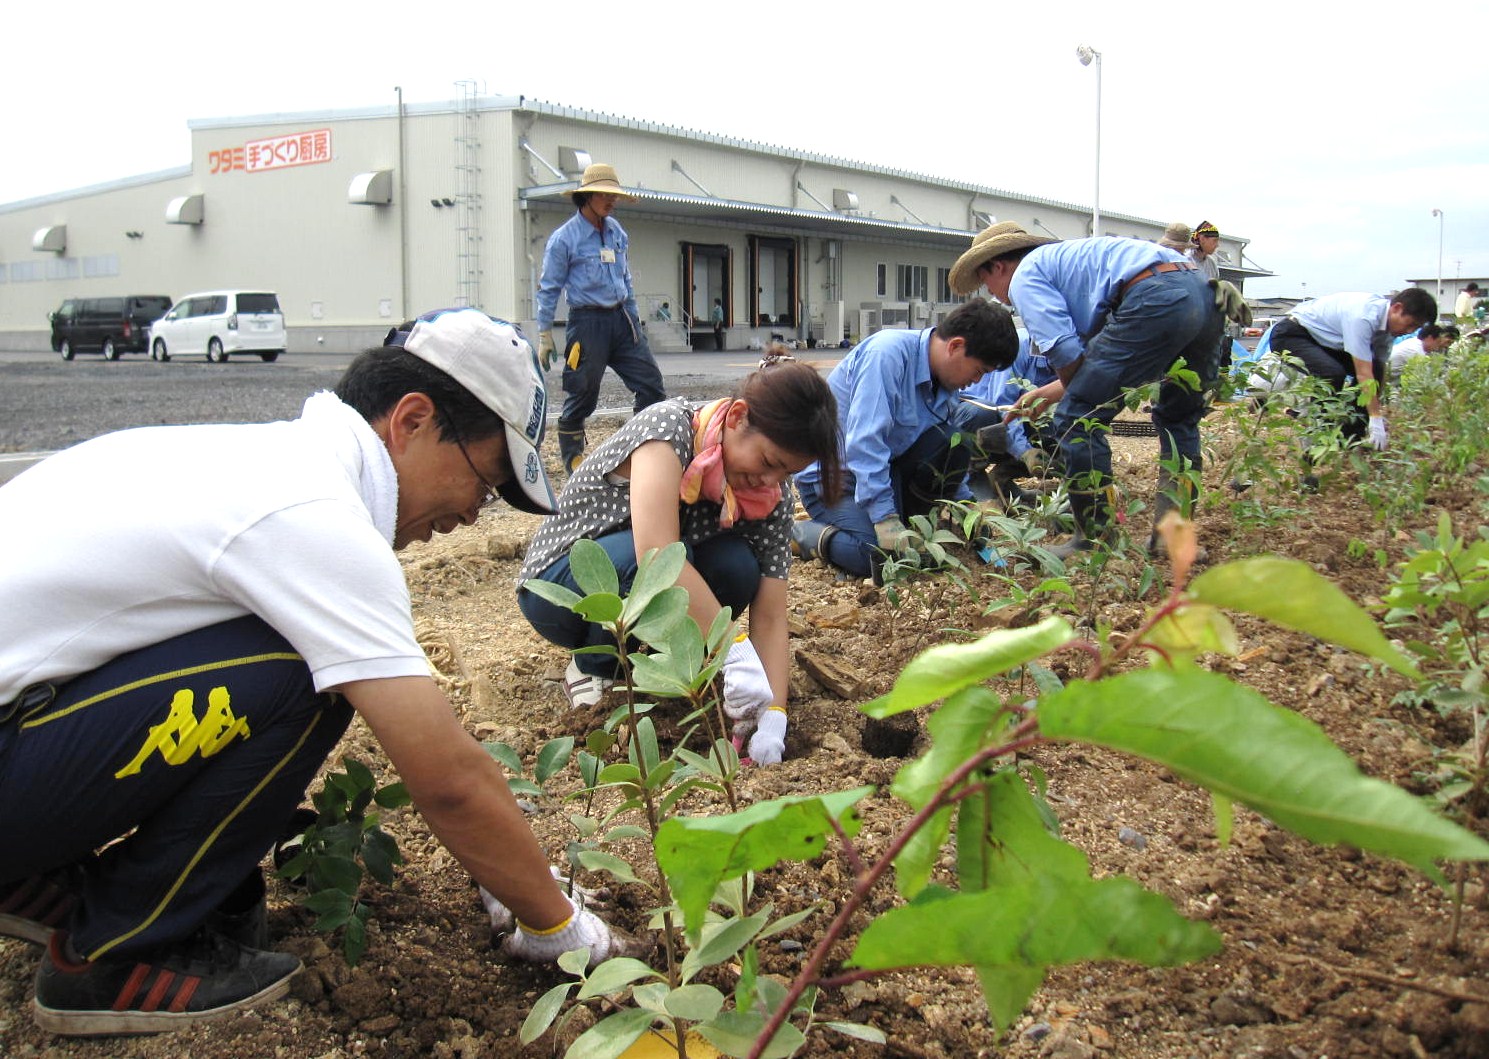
607, 256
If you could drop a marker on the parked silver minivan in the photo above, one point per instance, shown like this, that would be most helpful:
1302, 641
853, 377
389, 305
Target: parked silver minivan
217, 324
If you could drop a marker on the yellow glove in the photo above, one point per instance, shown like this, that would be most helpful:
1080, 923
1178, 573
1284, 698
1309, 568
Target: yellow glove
546, 350
1231, 303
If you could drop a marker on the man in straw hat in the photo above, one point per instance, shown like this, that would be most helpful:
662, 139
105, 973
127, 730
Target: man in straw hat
586, 256
164, 703
1110, 314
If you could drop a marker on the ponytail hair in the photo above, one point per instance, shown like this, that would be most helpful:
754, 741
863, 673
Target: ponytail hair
790, 403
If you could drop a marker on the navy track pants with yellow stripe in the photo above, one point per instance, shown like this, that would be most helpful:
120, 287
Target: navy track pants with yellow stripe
191, 753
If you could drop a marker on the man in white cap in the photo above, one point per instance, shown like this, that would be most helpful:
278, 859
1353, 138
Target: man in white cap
587, 257
1110, 314
174, 673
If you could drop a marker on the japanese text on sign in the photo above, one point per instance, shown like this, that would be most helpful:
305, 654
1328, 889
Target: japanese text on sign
276, 152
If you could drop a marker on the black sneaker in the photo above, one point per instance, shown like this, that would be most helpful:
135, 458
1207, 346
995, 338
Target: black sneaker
204, 977
31, 909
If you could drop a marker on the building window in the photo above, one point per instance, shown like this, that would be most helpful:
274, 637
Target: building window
911, 283
881, 287
943, 286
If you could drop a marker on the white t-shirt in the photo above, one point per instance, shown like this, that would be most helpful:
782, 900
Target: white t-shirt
133, 538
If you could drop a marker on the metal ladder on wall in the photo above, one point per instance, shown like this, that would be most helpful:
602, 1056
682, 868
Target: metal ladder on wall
468, 197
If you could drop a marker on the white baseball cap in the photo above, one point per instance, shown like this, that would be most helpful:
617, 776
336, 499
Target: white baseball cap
491, 359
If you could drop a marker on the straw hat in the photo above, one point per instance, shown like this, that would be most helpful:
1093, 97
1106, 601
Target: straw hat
1176, 236
600, 177
1002, 238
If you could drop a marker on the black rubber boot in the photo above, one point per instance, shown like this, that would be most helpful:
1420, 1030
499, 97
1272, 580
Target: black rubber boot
809, 539
1001, 475
570, 447
1172, 494
1093, 520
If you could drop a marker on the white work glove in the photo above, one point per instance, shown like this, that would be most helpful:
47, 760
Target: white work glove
768, 744
890, 533
1378, 433
546, 349
582, 930
746, 687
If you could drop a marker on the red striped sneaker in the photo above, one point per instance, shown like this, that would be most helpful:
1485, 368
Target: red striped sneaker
31, 909
204, 977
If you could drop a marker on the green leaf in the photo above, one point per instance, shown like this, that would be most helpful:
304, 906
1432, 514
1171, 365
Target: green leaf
337, 872
506, 756
358, 773
379, 854
913, 865
697, 853
354, 941
1225, 817
602, 608
575, 961
393, 796
1229, 739
595, 860
554, 756
659, 674
696, 1003
592, 569
544, 1012
720, 941
663, 616
558, 595
1041, 907
656, 572
858, 1031
735, 1032
785, 923
1292, 594
945, 670
1006, 990
610, 1037
613, 976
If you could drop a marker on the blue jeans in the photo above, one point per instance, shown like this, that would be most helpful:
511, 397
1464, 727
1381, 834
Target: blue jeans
930, 470
198, 749
607, 338
726, 564
1158, 320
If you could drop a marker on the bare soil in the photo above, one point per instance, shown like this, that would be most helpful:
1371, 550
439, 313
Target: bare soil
1328, 952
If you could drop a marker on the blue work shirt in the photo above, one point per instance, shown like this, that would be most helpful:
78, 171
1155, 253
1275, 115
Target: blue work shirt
1065, 291
1353, 322
1030, 369
575, 260
887, 398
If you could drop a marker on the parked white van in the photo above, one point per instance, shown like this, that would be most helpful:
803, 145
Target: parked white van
217, 324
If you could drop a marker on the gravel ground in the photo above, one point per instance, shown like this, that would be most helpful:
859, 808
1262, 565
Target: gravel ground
48, 405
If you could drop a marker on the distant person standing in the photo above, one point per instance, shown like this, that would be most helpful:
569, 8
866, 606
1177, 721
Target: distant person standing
586, 256
1466, 298
716, 317
1206, 240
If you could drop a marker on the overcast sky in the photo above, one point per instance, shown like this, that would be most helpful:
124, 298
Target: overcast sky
1325, 139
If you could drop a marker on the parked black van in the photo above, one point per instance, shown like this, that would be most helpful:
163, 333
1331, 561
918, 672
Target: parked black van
109, 325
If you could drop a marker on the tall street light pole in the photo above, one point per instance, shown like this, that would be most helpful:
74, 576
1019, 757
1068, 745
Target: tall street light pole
1438, 214
1087, 55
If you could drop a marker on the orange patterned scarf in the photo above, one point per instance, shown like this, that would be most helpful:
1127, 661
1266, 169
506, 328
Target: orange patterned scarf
705, 475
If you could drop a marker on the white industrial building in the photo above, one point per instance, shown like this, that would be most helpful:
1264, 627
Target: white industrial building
359, 219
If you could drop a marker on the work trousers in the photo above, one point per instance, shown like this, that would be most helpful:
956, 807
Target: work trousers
607, 337
192, 753
726, 564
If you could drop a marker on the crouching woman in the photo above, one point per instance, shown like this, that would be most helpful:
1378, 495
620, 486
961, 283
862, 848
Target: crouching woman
711, 477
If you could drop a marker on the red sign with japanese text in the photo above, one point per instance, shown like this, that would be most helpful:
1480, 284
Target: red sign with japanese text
276, 152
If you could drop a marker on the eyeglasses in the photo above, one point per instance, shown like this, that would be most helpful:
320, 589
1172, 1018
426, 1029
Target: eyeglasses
491, 492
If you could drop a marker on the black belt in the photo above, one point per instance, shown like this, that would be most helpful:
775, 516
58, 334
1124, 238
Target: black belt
596, 308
